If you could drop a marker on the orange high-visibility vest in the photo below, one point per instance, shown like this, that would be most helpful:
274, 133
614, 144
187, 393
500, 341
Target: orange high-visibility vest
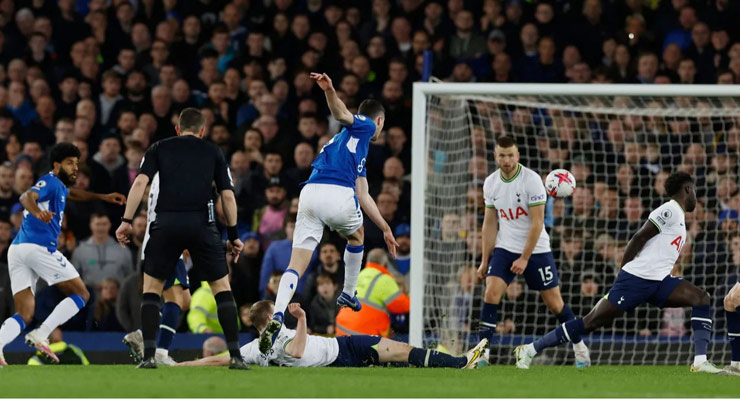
380, 296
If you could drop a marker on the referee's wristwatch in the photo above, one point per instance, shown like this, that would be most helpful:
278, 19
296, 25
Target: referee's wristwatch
124, 220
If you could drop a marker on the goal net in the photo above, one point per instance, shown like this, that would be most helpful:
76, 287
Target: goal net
620, 142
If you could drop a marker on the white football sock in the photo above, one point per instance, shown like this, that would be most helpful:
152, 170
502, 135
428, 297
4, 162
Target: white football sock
352, 266
580, 347
9, 330
735, 364
530, 349
699, 359
61, 313
163, 352
286, 289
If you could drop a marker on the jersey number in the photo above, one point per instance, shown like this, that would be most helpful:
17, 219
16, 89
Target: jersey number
546, 273
352, 144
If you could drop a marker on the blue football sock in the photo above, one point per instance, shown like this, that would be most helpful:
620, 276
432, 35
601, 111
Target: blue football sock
488, 319
168, 324
560, 335
432, 358
733, 332
566, 315
701, 324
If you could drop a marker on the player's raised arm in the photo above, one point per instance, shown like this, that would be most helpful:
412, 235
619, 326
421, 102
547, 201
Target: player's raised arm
371, 210
297, 346
216, 360
29, 200
488, 239
634, 246
338, 110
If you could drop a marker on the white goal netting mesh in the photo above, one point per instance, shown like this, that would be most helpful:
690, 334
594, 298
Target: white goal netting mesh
620, 149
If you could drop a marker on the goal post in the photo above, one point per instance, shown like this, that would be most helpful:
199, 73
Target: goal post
554, 119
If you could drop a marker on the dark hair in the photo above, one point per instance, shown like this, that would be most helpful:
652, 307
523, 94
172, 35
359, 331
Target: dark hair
371, 108
505, 142
96, 215
62, 151
191, 120
676, 181
324, 277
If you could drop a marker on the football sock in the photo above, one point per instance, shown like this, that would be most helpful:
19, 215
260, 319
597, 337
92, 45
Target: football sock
733, 334
286, 289
168, 325
566, 315
488, 319
430, 358
227, 317
11, 328
560, 335
64, 311
149, 322
352, 265
701, 324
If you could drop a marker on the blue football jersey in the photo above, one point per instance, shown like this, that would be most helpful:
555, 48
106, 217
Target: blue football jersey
343, 158
52, 197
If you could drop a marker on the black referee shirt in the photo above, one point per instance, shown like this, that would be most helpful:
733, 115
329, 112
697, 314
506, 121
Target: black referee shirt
187, 168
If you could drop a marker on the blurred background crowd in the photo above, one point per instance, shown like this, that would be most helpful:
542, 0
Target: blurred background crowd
112, 75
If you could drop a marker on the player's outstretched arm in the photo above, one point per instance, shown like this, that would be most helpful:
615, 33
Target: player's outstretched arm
646, 232
371, 210
134, 199
76, 194
297, 346
338, 110
29, 201
217, 360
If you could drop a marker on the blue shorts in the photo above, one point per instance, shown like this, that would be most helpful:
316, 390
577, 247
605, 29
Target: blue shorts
180, 277
540, 273
357, 351
630, 291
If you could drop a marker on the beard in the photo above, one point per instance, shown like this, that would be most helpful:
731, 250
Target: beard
66, 179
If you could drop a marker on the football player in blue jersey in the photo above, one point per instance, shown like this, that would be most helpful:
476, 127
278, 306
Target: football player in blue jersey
33, 253
333, 196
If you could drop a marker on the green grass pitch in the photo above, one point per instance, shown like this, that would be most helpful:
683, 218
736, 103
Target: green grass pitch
497, 381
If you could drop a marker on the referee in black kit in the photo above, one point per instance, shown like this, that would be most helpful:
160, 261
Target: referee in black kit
185, 167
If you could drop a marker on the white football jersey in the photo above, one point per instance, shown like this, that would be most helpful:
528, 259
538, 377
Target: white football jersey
319, 352
656, 259
512, 200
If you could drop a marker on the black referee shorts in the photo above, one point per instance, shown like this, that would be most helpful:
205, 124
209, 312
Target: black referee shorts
172, 233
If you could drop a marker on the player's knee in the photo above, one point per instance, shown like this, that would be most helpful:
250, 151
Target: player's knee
184, 302
704, 299
731, 302
493, 293
84, 293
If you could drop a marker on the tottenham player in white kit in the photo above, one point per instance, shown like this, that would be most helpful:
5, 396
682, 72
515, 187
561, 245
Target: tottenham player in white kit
515, 204
732, 314
296, 348
645, 278
333, 196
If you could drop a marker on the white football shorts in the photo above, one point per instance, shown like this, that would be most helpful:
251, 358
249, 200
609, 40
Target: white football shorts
27, 262
325, 205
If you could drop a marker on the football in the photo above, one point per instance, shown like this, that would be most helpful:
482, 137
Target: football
560, 183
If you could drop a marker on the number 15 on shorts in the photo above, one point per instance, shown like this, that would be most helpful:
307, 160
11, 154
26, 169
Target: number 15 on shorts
546, 273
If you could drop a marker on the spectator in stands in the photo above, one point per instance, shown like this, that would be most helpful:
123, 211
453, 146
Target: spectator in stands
245, 273
100, 257
213, 346
330, 264
323, 307
277, 258
403, 255
105, 306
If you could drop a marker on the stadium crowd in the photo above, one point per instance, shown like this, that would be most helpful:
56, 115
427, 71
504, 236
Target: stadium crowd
110, 76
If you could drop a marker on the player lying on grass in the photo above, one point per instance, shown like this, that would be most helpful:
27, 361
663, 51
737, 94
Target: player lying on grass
645, 278
295, 348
